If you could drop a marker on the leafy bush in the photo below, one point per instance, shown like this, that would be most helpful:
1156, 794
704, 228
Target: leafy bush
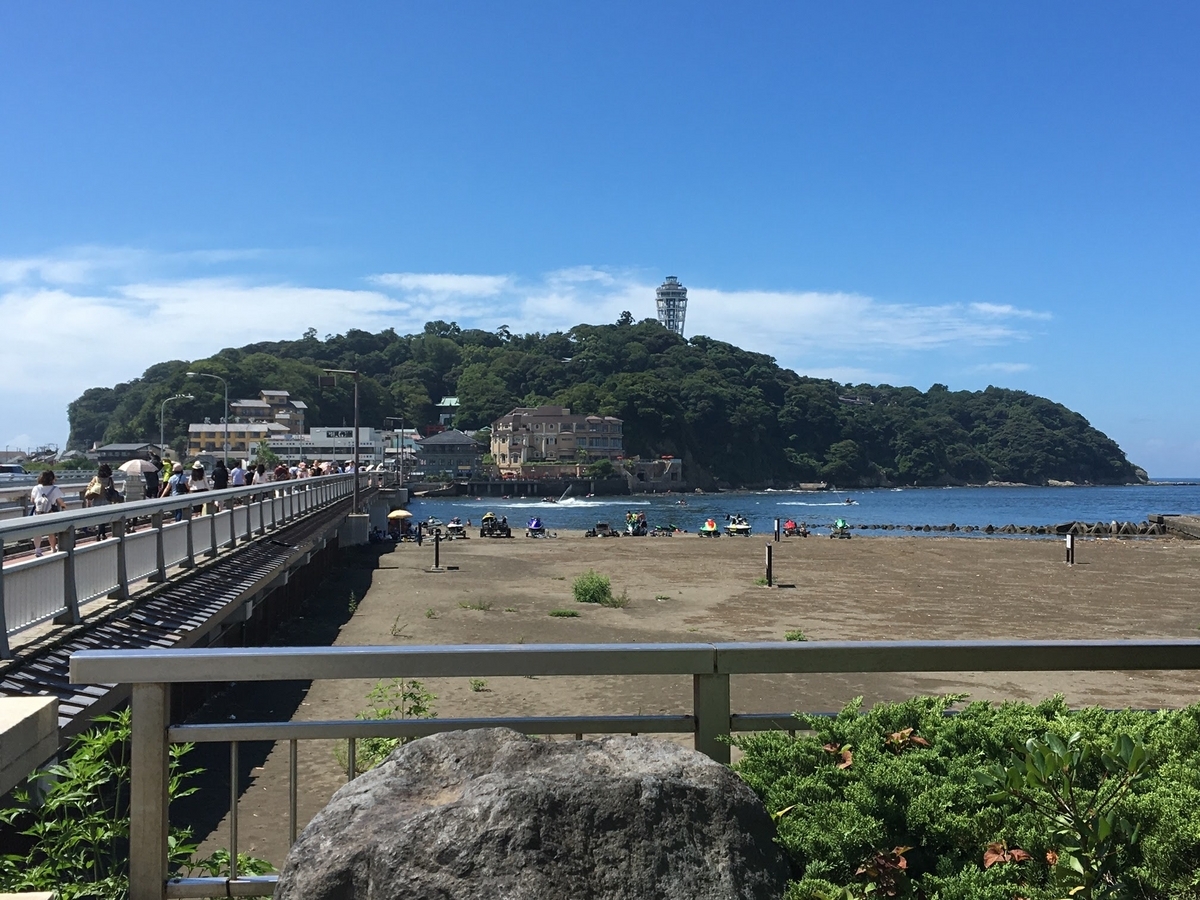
904, 794
795, 635
395, 699
565, 613
78, 830
592, 587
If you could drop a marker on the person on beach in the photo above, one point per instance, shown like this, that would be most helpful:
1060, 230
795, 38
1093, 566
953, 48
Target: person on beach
47, 497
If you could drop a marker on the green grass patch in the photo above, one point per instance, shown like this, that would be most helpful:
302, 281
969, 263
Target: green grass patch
479, 605
795, 635
592, 587
565, 613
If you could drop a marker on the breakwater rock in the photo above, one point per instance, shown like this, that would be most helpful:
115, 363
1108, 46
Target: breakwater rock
1098, 529
492, 814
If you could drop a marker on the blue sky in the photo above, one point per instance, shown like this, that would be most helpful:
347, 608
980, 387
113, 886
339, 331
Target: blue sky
911, 193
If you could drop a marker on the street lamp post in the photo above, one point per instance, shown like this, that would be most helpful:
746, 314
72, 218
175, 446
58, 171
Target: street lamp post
399, 446
332, 381
225, 385
162, 413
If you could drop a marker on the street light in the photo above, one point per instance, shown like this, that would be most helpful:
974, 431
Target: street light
399, 445
162, 417
225, 461
330, 382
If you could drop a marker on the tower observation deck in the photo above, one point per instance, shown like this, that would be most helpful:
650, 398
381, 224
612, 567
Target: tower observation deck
671, 298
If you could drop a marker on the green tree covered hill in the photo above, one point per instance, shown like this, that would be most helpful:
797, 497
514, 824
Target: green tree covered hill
734, 416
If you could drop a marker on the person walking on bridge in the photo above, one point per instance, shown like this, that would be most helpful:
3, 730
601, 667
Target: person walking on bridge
47, 497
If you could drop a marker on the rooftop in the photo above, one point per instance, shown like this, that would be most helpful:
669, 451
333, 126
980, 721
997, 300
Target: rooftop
450, 436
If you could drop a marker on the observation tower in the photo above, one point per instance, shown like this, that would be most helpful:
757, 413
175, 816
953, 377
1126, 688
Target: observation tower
671, 298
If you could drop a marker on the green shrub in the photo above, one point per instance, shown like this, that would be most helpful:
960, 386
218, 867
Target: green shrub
565, 613
79, 828
905, 775
592, 587
794, 635
395, 699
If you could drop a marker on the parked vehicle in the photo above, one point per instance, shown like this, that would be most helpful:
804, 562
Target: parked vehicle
737, 525
491, 527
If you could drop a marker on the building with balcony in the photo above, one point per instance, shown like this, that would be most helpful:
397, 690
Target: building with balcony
244, 437
271, 406
553, 434
450, 453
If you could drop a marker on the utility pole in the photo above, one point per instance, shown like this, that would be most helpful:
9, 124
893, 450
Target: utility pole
330, 382
399, 445
162, 413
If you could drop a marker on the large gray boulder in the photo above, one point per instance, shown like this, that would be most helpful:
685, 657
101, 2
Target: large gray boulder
491, 814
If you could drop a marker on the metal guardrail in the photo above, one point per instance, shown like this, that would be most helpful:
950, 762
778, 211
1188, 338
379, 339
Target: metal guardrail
54, 585
152, 672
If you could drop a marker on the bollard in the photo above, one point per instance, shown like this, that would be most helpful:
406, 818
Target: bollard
437, 548
769, 548
777, 531
1070, 549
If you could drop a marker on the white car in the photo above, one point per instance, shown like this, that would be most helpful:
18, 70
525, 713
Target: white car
10, 471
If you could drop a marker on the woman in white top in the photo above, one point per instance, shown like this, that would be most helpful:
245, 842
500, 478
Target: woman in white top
47, 497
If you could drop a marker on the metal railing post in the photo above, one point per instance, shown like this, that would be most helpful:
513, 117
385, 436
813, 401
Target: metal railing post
190, 562
122, 591
214, 547
66, 543
5, 651
160, 548
233, 810
710, 705
262, 514
148, 792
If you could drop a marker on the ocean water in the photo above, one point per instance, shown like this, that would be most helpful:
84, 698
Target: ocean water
979, 506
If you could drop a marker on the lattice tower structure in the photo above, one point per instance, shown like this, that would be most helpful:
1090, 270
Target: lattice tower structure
671, 298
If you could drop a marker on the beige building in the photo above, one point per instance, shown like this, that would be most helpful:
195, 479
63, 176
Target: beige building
551, 434
271, 406
244, 437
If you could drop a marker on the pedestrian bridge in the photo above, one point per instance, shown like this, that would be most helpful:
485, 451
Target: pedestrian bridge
169, 573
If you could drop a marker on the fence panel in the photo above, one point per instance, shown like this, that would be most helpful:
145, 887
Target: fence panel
141, 554
33, 591
175, 543
224, 527
96, 570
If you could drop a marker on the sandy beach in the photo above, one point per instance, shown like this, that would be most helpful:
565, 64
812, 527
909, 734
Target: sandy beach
684, 588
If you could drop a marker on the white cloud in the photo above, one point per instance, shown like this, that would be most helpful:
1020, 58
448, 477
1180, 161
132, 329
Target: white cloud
1005, 310
1004, 368
443, 284
98, 316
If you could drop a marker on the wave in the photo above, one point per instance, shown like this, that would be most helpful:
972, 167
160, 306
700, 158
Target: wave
803, 503
582, 503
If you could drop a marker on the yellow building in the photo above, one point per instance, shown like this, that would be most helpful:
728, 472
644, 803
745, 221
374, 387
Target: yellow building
205, 437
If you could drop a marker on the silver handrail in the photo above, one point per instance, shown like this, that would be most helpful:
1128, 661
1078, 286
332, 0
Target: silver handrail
54, 586
152, 672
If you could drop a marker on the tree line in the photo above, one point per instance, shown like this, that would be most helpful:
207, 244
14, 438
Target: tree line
735, 417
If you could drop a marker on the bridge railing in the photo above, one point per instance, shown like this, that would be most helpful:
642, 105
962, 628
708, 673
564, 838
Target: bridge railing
711, 720
148, 538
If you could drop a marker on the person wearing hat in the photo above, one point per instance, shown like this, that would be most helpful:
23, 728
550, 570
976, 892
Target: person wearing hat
177, 484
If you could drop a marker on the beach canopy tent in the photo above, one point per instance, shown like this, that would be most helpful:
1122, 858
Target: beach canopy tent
399, 514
